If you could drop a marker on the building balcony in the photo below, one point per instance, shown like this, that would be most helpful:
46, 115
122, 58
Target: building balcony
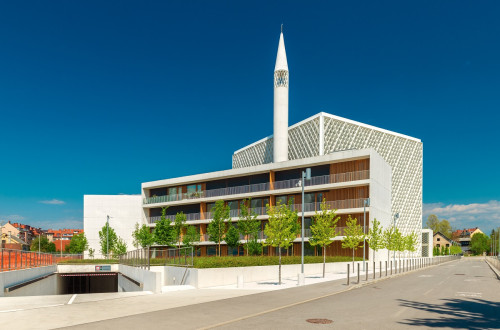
262, 211
261, 187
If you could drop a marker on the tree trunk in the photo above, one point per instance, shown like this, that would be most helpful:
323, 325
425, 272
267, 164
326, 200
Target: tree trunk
219, 248
352, 259
374, 256
324, 260
279, 267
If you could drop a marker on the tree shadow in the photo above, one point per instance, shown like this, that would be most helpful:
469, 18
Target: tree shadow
470, 313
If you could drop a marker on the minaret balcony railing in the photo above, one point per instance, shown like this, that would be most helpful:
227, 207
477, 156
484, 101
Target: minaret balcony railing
259, 187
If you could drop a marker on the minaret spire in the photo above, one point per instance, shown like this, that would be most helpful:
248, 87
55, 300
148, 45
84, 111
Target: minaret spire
280, 135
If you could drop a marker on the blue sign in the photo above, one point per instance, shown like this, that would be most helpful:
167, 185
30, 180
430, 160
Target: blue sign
106, 268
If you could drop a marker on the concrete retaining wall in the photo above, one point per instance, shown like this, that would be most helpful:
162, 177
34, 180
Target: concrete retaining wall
64, 268
209, 277
43, 287
150, 280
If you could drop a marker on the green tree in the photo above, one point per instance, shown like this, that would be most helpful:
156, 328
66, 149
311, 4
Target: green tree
217, 228
179, 224
437, 225
254, 247
353, 236
399, 242
324, 229
142, 236
432, 223
479, 243
164, 232
192, 236
248, 225
232, 237
281, 229
91, 253
119, 248
455, 249
107, 242
410, 242
45, 245
375, 237
78, 244
388, 240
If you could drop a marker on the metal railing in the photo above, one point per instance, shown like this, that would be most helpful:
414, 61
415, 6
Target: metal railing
18, 259
278, 185
158, 256
308, 207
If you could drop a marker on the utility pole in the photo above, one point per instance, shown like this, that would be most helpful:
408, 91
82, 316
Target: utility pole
305, 175
396, 217
366, 203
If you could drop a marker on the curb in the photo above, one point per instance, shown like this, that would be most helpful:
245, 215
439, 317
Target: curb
496, 271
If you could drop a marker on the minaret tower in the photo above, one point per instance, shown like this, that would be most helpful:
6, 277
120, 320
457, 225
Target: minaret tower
280, 135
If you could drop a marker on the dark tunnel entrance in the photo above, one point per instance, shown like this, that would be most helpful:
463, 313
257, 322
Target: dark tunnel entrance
87, 283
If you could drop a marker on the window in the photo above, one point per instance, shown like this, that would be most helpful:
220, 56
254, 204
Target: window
438, 239
284, 199
309, 198
194, 190
211, 251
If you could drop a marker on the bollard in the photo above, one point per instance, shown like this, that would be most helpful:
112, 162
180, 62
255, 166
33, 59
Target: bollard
386, 268
366, 273
380, 268
374, 272
391, 267
348, 266
395, 266
358, 272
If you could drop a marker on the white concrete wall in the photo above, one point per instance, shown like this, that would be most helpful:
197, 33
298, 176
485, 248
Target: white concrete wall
124, 211
84, 268
43, 287
151, 280
209, 277
380, 197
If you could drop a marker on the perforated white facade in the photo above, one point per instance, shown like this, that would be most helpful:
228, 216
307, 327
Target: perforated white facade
324, 133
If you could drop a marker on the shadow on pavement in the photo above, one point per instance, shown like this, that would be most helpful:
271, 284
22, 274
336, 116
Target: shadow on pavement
457, 313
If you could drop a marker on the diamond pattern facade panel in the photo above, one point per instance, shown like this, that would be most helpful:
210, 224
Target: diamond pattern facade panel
404, 155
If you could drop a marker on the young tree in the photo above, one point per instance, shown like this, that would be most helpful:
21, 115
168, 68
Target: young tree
232, 238
410, 242
142, 236
179, 224
375, 237
107, 239
399, 243
254, 247
91, 253
164, 232
217, 228
281, 229
248, 225
388, 241
324, 229
192, 236
78, 244
119, 248
354, 236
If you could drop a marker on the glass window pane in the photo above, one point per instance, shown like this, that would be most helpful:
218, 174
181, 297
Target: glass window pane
309, 198
280, 200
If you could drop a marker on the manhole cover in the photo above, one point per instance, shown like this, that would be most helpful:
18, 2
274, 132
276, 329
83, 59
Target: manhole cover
319, 321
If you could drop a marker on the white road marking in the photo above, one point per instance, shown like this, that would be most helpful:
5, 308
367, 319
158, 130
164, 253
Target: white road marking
400, 311
427, 292
469, 294
426, 275
25, 309
72, 299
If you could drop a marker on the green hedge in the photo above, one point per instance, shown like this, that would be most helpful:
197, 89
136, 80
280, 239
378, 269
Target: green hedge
222, 262
89, 261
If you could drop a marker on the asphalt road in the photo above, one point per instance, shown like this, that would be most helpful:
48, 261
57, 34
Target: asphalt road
461, 294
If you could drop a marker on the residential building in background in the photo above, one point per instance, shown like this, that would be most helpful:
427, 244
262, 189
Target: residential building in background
464, 237
25, 233
61, 237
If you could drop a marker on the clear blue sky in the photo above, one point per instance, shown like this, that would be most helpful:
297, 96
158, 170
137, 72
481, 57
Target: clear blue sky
97, 97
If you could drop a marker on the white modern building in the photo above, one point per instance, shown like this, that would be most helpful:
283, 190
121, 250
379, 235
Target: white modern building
359, 169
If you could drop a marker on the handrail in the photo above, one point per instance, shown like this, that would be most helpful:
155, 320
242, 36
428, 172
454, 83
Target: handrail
259, 187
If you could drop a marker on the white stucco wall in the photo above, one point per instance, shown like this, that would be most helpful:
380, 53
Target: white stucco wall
43, 287
124, 211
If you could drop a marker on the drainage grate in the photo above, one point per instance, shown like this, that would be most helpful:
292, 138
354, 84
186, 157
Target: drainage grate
319, 321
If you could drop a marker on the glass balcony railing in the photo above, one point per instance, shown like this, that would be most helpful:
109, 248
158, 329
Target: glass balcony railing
278, 185
308, 207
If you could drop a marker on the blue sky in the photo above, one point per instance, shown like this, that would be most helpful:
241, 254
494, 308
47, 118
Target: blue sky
97, 97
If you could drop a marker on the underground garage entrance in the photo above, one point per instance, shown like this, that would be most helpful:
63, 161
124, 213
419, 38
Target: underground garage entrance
71, 283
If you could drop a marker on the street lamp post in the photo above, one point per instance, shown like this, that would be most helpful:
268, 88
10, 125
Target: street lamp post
306, 175
107, 237
366, 203
396, 217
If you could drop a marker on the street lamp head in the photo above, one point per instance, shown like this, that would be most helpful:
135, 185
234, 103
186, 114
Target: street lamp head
308, 173
396, 216
367, 202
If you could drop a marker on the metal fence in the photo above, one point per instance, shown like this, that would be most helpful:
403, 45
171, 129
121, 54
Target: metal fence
18, 259
158, 256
